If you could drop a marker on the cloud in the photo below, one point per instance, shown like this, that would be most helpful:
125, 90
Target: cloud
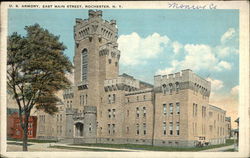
197, 57
235, 90
176, 47
135, 49
228, 35
215, 84
225, 65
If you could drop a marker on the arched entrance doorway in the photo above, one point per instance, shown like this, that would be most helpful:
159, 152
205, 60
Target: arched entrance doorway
78, 129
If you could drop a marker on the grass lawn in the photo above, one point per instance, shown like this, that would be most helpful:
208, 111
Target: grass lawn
84, 149
156, 148
34, 140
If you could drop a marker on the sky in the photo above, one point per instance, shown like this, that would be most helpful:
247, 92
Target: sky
160, 41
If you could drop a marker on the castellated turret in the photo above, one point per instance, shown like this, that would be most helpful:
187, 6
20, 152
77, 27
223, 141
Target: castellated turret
186, 79
95, 25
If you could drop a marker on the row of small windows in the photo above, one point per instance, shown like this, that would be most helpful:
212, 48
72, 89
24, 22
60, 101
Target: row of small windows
68, 96
106, 33
42, 118
30, 132
199, 88
138, 98
171, 107
219, 117
69, 104
111, 98
110, 61
144, 129
169, 89
84, 32
83, 99
111, 129
138, 112
59, 130
59, 117
111, 113
164, 128
203, 111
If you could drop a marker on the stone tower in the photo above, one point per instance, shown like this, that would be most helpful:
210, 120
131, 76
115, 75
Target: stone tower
96, 57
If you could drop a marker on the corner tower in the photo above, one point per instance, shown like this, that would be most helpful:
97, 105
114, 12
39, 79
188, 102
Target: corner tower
96, 56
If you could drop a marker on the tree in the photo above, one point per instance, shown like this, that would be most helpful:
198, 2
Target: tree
36, 69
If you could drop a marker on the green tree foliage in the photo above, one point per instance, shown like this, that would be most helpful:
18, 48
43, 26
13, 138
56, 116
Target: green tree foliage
36, 68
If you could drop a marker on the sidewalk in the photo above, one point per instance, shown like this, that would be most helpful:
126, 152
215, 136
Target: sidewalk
219, 149
92, 147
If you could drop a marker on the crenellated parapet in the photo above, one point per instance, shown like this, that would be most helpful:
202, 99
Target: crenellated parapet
121, 83
68, 93
110, 50
95, 25
186, 79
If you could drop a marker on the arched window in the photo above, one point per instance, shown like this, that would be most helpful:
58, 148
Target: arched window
84, 63
164, 89
177, 85
170, 88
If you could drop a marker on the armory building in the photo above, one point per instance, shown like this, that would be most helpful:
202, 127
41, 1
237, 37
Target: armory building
105, 107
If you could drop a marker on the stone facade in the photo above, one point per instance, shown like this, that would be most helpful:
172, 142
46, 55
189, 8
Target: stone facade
105, 107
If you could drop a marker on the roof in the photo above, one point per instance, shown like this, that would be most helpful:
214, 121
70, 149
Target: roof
237, 120
216, 107
11, 111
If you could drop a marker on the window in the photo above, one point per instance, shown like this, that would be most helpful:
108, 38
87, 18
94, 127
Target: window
116, 63
127, 130
195, 109
60, 117
144, 111
137, 112
171, 108
137, 129
109, 129
137, 98
128, 100
80, 100
177, 108
113, 128
114, 113
84, 63
164, 89
109, 99
177, 87
211, 128
110, 61
127, 113
144, 129
57, 117
90, 127
109, 113
171, 128
165, 109
144, 97
203, 111
113, 98
164, 127
170, 88
177, 128
86, 99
